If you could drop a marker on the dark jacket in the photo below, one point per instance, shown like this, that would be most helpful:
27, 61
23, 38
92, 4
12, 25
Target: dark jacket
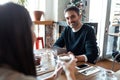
80, 42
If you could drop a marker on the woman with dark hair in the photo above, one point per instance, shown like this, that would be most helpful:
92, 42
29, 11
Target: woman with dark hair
16, 45
16, 50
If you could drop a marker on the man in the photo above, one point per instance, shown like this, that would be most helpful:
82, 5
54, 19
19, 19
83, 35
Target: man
77, 37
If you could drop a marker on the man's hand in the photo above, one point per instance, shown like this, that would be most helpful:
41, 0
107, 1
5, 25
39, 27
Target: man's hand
81, 58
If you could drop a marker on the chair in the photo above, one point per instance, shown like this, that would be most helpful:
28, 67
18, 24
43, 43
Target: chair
95, 26
38, 40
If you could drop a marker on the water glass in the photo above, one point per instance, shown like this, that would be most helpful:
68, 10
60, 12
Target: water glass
107, 75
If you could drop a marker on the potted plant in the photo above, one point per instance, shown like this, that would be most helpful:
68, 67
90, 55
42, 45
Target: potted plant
38, 14
22, 2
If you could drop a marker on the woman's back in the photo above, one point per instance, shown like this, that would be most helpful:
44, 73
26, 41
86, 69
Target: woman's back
16, 49
8, 74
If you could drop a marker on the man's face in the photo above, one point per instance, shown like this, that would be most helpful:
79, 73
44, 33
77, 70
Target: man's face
72, 18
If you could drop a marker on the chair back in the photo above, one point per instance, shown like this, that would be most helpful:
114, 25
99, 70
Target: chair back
95, 27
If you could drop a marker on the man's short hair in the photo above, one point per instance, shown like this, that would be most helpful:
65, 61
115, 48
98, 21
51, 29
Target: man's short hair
72, 8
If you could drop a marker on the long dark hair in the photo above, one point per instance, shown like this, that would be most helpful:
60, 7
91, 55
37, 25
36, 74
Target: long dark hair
16, 48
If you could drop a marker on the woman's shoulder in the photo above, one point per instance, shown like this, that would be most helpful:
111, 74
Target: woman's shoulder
8, 74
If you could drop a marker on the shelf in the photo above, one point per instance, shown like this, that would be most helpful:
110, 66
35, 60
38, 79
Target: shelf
43, 22
114, 34
115, 25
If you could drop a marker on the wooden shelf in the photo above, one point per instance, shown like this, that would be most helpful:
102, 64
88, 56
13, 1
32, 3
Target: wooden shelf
115, 25
43, 22
114, 34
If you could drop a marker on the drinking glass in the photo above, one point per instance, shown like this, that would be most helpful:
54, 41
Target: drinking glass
38, 58
106, 75
55, 55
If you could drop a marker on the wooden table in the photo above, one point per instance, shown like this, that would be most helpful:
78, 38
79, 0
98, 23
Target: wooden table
95, 76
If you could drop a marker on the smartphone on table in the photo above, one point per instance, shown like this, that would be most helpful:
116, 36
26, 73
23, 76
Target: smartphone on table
81, 66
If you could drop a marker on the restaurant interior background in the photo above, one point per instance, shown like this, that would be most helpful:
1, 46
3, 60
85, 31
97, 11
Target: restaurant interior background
104, 12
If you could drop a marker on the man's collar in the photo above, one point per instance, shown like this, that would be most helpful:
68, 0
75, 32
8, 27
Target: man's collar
77, 29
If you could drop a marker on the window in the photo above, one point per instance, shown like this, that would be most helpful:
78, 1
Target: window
33, 5
97, 13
